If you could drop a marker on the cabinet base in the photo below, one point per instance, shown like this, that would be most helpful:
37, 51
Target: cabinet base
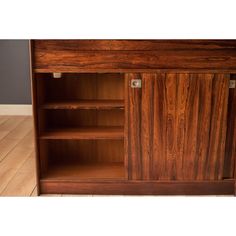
224, 187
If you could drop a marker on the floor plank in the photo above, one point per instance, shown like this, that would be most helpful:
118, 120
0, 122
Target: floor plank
3, 119
6, 146
12, 131
22, 129
16, 155
28, 140
24, 181
20, 185
10, 124
11, 164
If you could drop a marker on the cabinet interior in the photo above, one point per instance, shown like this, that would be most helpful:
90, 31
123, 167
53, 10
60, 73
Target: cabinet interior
81, 125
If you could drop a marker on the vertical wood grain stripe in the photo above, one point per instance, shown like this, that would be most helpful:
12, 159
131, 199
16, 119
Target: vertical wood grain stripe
147, 125
135, 120
159, 127
203, 126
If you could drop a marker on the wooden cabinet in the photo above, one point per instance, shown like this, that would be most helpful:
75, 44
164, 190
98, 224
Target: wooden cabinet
135, 117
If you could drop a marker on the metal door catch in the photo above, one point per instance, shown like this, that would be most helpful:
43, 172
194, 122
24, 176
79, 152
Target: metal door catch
136, 83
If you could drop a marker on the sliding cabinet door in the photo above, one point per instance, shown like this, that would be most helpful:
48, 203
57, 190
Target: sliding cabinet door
176, 125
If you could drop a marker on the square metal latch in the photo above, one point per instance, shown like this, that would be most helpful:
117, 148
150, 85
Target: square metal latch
232, 83
136, 83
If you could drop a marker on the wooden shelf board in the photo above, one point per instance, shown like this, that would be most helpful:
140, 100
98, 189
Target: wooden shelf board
85, 104
85, 133
85, 171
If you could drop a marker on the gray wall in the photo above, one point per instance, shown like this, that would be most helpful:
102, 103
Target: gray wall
14, 72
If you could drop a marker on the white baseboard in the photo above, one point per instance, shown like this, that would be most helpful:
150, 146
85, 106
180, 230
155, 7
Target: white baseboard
15, 110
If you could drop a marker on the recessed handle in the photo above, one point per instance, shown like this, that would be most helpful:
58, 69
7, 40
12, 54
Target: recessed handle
136, 83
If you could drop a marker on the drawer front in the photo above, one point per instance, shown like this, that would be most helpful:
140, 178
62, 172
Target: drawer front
124, 56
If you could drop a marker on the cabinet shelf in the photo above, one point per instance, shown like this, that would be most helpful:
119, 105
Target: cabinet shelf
85, 171
85, 104
84, 133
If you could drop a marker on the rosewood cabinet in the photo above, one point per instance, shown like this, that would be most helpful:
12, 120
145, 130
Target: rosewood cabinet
135, 116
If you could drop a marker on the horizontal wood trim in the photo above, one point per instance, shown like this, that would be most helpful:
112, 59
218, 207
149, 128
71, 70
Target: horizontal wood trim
145, 45
85, 104
118, 70
225, 187
74, 61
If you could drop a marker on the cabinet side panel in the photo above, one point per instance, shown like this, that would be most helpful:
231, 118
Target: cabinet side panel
34, 105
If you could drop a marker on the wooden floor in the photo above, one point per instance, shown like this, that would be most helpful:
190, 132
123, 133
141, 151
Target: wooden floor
17, 163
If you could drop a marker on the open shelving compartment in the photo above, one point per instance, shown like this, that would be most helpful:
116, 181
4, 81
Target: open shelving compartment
81, 126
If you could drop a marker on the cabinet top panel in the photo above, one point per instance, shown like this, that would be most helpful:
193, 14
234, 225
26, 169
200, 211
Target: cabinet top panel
132, 55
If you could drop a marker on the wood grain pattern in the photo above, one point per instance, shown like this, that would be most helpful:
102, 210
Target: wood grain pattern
86, 60
134, 128
187, 113
130, 45
139, 187
82, 56
15, 160
230, 147
86, 172
84, 152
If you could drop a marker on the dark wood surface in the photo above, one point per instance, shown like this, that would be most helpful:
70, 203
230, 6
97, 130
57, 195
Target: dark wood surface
177, 126
139, 187
230, 147
82, 56
117, 60
82, 152
133, 45
85, 172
